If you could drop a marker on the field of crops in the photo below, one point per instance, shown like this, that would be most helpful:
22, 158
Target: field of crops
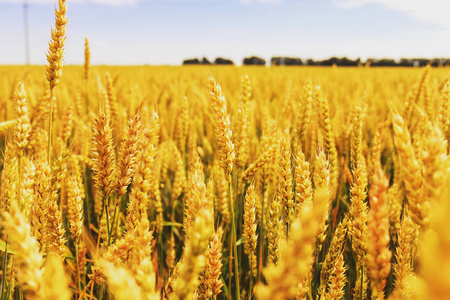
177, 182
223, 182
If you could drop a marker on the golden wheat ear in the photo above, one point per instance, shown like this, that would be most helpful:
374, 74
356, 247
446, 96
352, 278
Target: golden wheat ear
222, 126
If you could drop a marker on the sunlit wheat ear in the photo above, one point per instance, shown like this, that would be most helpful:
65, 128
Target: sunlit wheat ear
402, 267
331, 151
179, 183
435, 162
55, 54
87, 59
262, 161
444, 111
322, 183
334, 251
128, 154
303, 184
304, 121
75, 196
22, 126
285, 186
358, 226
143, 176
67, 124
356, 156
40, 207
196, 194
413, 180
27, 256
282, 279
211, 284
112, 105
338, 280
183, 125
9, 177
250, 226
243, 116
221, 187
193, 261
379, 256
418, 91
222, 126
274, 231
104, 155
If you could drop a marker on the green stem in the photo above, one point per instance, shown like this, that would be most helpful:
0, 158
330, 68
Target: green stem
161, 257
5, 259
250, 291
233, 229
10, 285
362, 281
102, 291
230, 267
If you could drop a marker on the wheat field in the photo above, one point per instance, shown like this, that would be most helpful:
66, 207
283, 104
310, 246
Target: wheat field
223, 182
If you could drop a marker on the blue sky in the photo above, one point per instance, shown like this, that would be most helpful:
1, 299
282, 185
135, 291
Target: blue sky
168, 31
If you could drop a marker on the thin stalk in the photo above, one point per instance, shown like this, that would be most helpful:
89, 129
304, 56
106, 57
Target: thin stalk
102, 291
230, 267
92, 291
4, 268
287, 230
107, 222
8, 291
86, 288
77, 249
361, 269
233, 229
225, 290
250, 291
161, 257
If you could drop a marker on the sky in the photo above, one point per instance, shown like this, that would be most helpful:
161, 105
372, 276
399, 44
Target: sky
157, 32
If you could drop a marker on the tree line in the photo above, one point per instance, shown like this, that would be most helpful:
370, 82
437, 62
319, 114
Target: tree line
344, 61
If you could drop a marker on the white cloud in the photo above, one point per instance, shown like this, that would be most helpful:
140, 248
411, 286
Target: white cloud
433, 11
103, 2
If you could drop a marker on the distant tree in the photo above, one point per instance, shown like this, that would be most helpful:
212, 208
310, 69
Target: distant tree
192, 61
310, 62
223, 61
329, 62
254, 60
385, 62
286, 61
